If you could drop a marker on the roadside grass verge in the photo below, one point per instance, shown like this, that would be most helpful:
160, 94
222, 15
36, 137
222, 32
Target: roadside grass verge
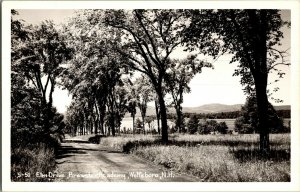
231, 140
129, 143
216, 164
31, 158
215, 158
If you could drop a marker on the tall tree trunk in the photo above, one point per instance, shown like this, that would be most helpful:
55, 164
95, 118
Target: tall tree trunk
96, 117
157, 116
84, 127
101, 119
108, 130
163, 115
259, 23
101, 110
179, 119
51, 92
49, 105
45, 115
261, 81
143, 123
118, 124
96, 126
112, 114
92, 123
262, 107
113, 130
133, 121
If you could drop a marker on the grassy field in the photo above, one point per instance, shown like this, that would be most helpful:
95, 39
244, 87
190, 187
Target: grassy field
213, 157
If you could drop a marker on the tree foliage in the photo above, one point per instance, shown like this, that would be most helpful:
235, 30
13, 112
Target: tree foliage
222, 127
149, 37
95, 73
251, 35
144, 88
192, 125
248, 121
178, 77
36, 55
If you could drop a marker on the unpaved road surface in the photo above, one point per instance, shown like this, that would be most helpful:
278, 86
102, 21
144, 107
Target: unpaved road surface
82, 161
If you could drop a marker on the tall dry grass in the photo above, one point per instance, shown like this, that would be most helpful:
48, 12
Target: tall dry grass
27, 161
217, 158
231, 139
216, 164
127, 143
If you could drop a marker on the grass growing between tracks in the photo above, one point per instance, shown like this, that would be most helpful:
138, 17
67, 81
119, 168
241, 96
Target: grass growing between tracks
216, 158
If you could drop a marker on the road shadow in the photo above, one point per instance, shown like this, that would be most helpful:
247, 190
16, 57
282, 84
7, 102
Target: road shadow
96, 139
75, 141
93, 139
68, 151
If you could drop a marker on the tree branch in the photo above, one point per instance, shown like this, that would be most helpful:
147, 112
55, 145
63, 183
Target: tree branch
47, 82
276, 64
39, 83
143, 54
150, 39
168, 52
240, 36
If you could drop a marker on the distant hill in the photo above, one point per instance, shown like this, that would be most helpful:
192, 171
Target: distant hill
212, 108
282, 107
207, 108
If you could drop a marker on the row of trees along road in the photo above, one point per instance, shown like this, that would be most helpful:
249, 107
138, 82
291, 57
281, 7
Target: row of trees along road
36, 55
138, 40
112, 46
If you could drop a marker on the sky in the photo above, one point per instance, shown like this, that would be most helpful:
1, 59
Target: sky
211, 86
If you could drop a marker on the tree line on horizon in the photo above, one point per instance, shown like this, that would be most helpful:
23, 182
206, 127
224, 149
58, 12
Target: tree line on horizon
113, 61
228, 115
245, 122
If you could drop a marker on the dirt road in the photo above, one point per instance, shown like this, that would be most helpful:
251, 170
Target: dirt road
82, 161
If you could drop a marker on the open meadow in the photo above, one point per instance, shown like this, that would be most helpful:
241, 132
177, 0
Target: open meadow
215, 158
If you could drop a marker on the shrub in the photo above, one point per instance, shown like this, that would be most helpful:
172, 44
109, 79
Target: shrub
248, 121
193, 124
203, 128
241, 127
222, 127
209, 126
212, 125
138, 123
172, 130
